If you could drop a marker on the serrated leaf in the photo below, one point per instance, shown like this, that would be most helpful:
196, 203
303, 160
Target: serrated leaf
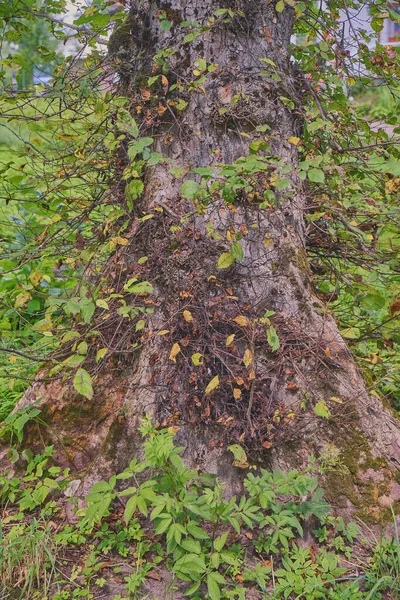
220, 542
213, 384
213, 587
174, 352
130, 508
273, 339
321, 410
83, 383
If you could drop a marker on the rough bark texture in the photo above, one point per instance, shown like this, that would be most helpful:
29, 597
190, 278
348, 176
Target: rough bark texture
313, 362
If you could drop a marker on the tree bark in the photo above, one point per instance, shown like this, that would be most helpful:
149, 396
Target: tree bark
272, 416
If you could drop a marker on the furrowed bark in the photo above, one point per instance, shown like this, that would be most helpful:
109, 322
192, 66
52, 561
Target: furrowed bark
274, 416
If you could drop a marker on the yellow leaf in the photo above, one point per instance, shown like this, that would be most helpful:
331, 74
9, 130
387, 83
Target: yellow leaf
336, 399
187, 315
242, 321
12, 359
174, 352
173, 429
35, 277
230, 339
22, 299
118, 241
237, 393
163, 332
248, 357
196, 359
295, 141
214, 383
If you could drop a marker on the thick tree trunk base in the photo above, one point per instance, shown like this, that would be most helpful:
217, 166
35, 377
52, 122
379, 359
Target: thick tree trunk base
265, 399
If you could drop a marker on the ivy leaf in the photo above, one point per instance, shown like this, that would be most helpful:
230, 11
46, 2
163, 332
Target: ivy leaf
321, 410
189, 189
316, 175
83, 383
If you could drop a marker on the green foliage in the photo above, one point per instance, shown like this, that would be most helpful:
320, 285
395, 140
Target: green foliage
179, 521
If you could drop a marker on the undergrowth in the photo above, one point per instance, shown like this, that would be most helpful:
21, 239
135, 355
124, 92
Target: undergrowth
161, 526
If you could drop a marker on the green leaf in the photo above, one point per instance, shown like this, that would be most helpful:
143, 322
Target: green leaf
134, 189
101, 354
236, 251
142, 287
213, 587
197, 532
373, 301
138, 146
191, 545
225, 260
220, 541
130, 508
321, 410
83, 383
273, 339
351, 333
102, 304
279, 6
316, 175
189, 189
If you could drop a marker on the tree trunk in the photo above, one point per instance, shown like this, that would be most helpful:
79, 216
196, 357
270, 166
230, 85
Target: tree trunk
264, 399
